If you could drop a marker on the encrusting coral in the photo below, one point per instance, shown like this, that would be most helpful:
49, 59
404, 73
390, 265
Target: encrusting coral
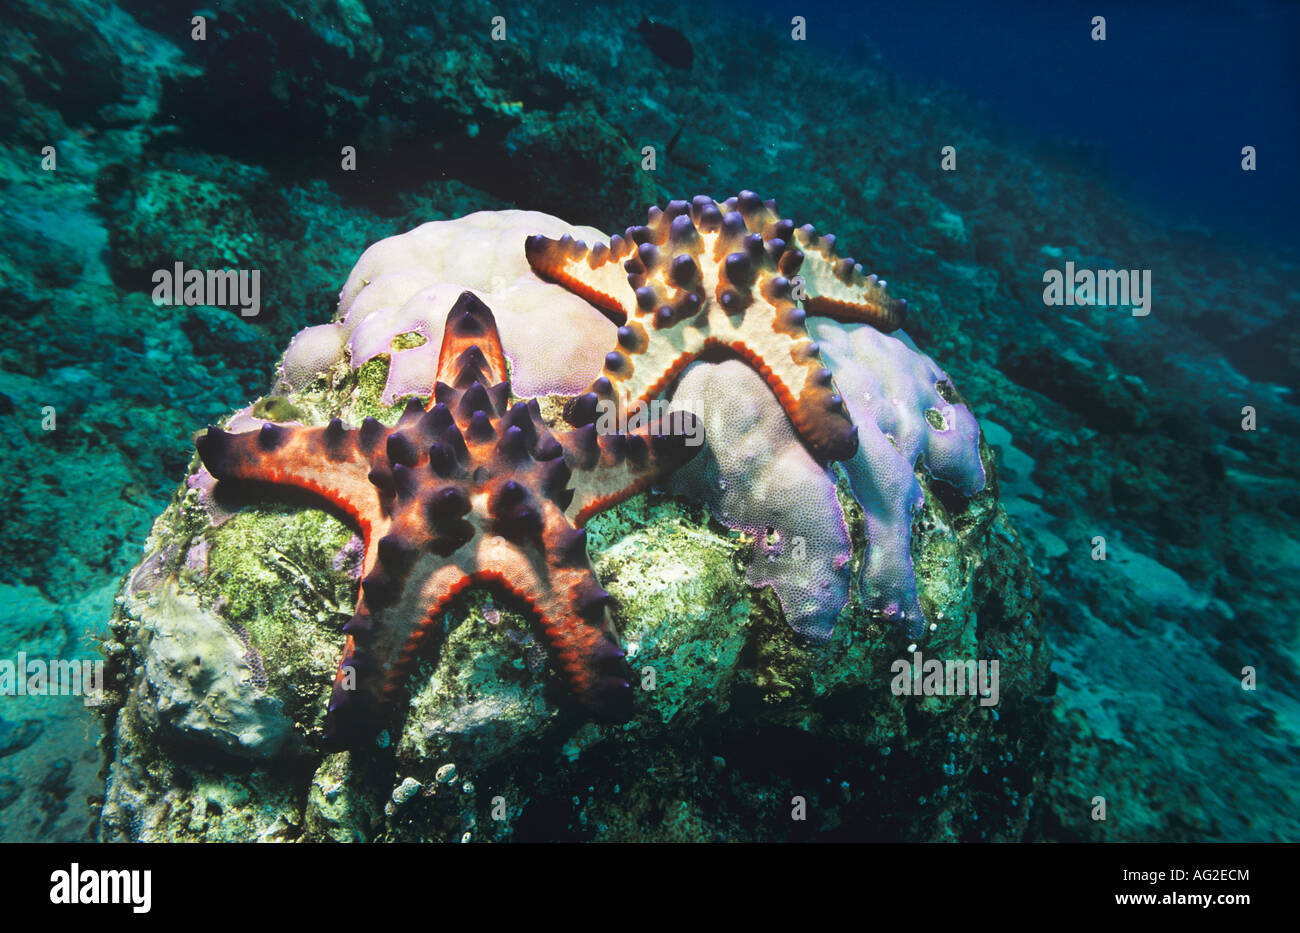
470, 490
907, 411
757, 477
403, 286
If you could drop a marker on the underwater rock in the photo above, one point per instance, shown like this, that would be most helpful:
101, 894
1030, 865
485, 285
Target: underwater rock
56, 55
574, 161
14, 737
283, 79
733, 713
1096, 390
161, 215
199, 682
10, 791
727, 701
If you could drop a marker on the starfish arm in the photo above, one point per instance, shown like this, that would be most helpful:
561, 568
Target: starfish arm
572, 610
394, 627
790, 363
471, 345
641, 372
585, 650
592, 273
609, 468
537, 558
331, 462
837, 288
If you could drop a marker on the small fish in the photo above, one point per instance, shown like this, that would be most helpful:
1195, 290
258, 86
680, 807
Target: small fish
672, 143
668, 44
682, 160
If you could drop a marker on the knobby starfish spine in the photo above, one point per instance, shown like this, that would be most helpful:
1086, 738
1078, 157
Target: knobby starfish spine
469, 491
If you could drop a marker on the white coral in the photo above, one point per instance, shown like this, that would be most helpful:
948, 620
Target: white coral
556, 341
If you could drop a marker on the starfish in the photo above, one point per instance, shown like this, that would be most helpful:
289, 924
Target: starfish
706, 279
470, 490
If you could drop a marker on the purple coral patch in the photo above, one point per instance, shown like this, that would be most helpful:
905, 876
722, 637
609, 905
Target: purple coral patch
204, 484
892, 392
756, 476
350, 558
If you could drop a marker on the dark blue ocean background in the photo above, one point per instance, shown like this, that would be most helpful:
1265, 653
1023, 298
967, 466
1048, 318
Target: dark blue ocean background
1162, 107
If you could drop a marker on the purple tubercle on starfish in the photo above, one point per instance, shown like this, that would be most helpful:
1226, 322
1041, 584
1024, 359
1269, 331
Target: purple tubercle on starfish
469, 490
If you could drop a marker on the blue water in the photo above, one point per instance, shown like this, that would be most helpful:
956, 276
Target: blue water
1165, 103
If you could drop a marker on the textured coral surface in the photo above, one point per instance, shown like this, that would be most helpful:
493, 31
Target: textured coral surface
758, 478
907, 412
404, 285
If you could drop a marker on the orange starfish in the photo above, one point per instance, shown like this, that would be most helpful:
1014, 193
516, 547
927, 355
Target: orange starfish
469, 491
704, 279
